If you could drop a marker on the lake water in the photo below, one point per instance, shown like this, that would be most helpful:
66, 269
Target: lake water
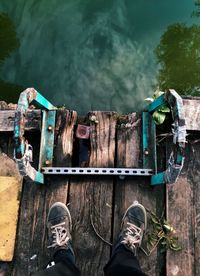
90, 55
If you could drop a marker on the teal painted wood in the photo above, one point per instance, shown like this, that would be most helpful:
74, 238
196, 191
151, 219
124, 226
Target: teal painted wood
149, 142
47, 139
158, 179
153, 145
27, 97
145, 138
156, 104
43, 103
22, 151
39, 178
176, 160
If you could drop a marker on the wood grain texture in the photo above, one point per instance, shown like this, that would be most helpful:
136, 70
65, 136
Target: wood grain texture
93, 199
90, 199
32, 122
36, 202
194, 176
64, 133
5, 269
183, 212
135, 188
192, 114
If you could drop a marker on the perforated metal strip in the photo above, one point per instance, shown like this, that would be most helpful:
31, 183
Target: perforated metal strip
96, 171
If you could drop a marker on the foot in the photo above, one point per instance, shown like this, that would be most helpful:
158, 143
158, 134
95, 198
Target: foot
134, 224
59, 225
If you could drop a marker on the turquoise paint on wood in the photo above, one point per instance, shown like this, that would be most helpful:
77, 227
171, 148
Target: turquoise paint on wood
47, 139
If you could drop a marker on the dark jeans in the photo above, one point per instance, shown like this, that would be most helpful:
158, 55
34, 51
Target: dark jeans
122, 262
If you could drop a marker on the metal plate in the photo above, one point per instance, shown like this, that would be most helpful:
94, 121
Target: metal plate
47, 138
149, 142
96, 171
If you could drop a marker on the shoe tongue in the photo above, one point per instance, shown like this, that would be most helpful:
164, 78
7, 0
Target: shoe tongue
132, 218
57, 220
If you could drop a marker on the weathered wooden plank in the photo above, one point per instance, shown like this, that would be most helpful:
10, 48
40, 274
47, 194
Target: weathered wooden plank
32, 122
194, 177
64, 132
90, 199
136, 188
5, 269
180, 214
192, 114
37, 200
5, 106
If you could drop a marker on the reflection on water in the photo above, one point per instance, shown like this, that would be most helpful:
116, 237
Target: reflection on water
83, 54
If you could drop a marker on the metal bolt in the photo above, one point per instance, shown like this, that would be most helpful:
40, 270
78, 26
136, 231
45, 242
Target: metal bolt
146, 152
47, 162
50, 128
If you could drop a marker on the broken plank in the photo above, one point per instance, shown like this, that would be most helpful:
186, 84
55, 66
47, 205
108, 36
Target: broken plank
135, 188
31, 252
32, 121
90, 199
64, 137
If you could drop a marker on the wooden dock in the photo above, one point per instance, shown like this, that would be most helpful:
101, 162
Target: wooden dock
97, 203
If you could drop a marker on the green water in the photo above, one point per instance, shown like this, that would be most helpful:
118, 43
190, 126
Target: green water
88, 54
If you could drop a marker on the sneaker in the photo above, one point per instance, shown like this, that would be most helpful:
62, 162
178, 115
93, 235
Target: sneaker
134, 224
59, 225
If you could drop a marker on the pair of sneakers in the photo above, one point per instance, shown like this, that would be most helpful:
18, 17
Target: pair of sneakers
59, 225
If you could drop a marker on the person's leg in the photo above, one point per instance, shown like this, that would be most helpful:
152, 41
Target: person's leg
124, 257
59, 225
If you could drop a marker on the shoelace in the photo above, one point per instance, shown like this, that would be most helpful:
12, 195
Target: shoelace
133, 236
59, 233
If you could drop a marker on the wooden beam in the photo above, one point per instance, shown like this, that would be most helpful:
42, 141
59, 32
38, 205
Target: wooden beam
135, 188
194, 177
90, 199
183, 209
33, 120
37, 199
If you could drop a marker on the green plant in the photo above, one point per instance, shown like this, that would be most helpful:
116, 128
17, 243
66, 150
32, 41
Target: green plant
162, 234
160, 114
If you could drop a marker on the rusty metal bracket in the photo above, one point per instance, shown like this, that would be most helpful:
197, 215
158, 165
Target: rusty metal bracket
22, 150
176, 160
